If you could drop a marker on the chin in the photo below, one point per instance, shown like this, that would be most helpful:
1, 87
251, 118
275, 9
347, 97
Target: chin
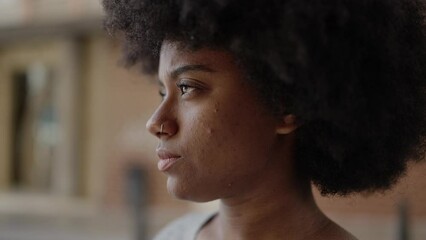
185, 191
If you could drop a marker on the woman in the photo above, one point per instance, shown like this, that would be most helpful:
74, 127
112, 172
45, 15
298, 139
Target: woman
261, 99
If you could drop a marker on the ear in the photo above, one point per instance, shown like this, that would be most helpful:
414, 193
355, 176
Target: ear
287, 124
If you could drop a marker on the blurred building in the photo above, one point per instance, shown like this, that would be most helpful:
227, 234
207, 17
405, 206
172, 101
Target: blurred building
72, 129
72, 121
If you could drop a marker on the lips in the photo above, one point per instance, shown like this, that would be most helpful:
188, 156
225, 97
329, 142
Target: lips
167, 159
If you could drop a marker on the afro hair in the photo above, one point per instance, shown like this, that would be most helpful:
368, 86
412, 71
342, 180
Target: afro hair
353, 72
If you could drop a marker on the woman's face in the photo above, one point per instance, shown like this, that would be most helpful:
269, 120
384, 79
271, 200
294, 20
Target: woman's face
215, 136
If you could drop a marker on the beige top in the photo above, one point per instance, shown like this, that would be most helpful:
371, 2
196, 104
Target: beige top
185, 228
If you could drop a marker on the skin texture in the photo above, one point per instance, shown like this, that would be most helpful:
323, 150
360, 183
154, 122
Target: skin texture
233, 149
353, 72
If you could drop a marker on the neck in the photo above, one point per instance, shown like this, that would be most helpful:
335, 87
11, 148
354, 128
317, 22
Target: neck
278, 205
270, 216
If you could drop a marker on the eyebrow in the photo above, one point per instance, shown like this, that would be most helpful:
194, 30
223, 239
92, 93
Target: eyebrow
189, 68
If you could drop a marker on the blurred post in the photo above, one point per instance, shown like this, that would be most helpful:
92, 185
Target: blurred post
137, 196
403, 220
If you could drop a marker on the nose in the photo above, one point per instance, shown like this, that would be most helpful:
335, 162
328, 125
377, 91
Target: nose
162, 123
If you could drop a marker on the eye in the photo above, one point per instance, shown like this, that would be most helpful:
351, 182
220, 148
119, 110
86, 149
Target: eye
161, 93
184, 88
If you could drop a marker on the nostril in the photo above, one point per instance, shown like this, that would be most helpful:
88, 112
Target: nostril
167, 128
161, 128
161, 131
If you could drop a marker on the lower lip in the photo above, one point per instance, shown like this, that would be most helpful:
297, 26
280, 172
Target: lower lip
165, 164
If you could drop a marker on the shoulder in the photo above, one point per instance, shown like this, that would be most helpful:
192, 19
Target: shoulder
333, 231
184, 228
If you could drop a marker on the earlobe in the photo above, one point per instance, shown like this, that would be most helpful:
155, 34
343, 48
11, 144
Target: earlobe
287, 124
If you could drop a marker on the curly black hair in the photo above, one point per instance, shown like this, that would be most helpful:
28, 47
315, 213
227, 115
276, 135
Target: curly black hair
353, 72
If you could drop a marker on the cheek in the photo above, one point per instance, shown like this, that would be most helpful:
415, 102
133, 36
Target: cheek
231, 137
226, 150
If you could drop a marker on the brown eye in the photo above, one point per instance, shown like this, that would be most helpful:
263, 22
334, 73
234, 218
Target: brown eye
184, 88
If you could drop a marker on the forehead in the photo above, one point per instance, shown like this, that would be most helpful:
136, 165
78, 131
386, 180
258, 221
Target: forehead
174, 55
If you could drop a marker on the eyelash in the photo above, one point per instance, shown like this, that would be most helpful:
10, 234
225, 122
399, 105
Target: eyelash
183, 87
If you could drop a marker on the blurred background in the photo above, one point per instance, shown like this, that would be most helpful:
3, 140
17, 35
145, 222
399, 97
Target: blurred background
75, 159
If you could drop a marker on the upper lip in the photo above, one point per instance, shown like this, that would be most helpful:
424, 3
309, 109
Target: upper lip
164, 154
